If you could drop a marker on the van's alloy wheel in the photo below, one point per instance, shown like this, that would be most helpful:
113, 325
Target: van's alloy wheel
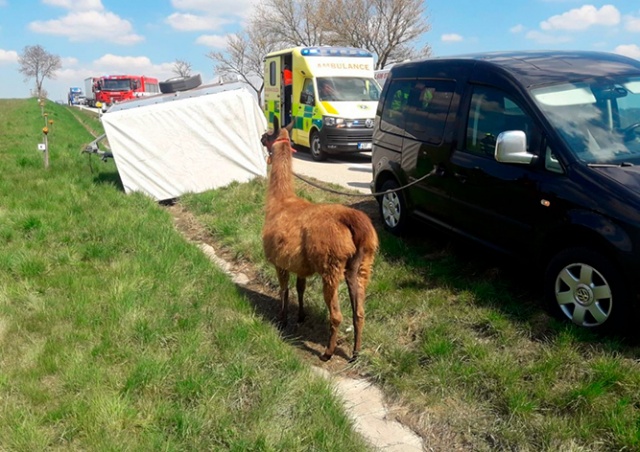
584, 287
392, 208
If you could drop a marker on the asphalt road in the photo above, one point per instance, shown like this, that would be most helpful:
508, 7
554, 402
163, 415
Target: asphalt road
349, 170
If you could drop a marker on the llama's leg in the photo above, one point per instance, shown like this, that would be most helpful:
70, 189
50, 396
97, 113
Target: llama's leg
356, 296
301, 285
330, 292
283, 279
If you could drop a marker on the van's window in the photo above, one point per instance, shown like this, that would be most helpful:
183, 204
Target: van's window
419, 107
427, 108
493, 112
395, 104
272, 73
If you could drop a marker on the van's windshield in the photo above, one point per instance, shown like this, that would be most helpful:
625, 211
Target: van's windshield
599, 120
348, 89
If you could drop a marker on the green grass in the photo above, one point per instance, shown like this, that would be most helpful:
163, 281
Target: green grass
118, 334
462, 342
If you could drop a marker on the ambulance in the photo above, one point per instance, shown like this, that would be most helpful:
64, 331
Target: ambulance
333, 98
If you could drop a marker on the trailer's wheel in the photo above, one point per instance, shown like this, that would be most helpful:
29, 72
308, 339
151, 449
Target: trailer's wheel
176, 84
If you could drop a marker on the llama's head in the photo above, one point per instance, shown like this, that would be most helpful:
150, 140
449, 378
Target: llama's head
278, 135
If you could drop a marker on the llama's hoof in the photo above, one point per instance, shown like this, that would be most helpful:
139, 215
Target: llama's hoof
301, 318
354, 357
325, 357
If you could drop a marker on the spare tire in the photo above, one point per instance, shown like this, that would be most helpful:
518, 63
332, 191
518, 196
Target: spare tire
176, 84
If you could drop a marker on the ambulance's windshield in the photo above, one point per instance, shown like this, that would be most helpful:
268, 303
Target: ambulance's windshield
348, 89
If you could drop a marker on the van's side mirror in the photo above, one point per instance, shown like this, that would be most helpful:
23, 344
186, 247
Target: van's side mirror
511, 147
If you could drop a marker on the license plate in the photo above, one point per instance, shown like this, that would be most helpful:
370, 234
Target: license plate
364, 145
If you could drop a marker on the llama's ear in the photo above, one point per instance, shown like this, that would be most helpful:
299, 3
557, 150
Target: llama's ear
289, 127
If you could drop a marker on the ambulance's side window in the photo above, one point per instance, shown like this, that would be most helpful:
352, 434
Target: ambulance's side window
306, 96
272, 73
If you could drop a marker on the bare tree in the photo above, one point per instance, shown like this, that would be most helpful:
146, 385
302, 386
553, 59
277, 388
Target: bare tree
36, 62
387, 28
243, 57
181, 68
292, 22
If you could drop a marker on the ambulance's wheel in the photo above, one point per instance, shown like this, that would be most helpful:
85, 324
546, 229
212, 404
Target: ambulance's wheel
316, 149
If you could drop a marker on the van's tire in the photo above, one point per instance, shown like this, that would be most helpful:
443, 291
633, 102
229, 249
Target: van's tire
176, 84
393, 208
583, 286
316, 148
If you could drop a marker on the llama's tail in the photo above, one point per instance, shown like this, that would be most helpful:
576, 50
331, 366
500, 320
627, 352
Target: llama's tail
362, 230
365, 239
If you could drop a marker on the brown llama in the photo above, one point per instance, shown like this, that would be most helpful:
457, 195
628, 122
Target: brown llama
305, 238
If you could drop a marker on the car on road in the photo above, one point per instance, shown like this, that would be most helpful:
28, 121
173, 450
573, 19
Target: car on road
534, 154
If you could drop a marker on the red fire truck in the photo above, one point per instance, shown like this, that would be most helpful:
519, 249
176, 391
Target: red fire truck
109, 89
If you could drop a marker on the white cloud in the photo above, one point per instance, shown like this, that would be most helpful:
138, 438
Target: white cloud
583, 18
217, 8
545, 38
73, 75
8, 56
451, 37
69, 61
215, 41
205, 15
632, 24
630, 50
192, 22
517, 29
89, 26
139, 65
76, 5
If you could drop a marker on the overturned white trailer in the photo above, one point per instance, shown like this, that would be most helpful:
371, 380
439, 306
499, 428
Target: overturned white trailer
187, 142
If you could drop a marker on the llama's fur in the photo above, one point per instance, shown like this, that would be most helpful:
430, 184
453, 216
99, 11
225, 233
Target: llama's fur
305, 238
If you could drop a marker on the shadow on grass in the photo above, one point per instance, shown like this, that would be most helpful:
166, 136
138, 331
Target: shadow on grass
110, 178
510, 285
105, 177
312, 334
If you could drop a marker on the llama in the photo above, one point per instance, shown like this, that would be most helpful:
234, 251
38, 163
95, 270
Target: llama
305, 238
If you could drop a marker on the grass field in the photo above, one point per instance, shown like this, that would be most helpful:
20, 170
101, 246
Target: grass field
118, 334
459, 339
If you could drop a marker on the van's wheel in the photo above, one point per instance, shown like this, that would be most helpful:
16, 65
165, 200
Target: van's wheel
583, 286
316, 150
393, 208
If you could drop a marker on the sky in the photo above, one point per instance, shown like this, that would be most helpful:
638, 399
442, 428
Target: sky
142, 37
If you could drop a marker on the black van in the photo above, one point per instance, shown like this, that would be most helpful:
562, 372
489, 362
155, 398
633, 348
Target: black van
536, 154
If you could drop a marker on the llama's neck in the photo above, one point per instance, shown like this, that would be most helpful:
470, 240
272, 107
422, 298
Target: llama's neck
281, 178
